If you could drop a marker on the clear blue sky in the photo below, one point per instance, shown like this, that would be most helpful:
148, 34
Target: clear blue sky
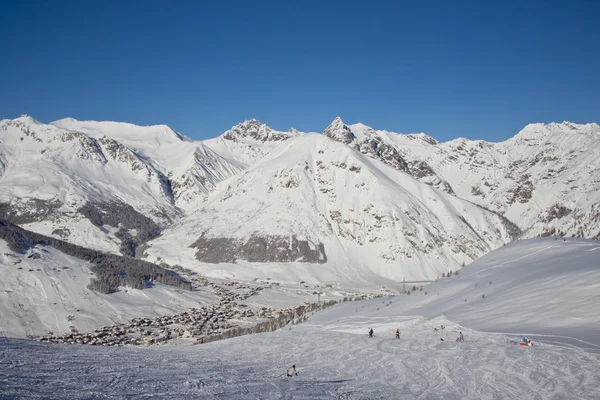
477, 69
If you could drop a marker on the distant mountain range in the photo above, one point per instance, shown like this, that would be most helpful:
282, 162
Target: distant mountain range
352, 204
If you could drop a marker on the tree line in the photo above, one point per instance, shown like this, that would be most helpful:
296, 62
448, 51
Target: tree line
111, 270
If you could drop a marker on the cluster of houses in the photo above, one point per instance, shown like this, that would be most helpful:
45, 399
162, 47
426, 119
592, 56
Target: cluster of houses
195, 323
198, 324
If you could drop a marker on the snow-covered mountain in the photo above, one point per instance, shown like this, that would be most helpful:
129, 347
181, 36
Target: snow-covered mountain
546, 179
354, 204
193, 168
94, 183
315, 201
249, 141
382, 145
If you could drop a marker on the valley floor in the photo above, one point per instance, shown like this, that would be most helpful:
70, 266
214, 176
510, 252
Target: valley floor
331, 351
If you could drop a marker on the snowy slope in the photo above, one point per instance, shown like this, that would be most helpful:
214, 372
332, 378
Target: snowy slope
354, 213
545, 179
543, 288
46, 290
48, 173
332, 364
192, 167
249, 141
51, 173
314, 200
386, 147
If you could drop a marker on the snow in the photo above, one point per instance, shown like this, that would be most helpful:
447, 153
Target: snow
167, 176
543, 288
38, 295
377, 224
332, 363
523, 178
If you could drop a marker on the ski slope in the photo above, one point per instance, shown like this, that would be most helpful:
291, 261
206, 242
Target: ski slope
544, 288
332, 353
539, 286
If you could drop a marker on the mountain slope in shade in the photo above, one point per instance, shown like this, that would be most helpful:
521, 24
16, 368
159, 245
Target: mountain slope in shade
325, 208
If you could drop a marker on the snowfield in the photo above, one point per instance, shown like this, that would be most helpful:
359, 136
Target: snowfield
354, 205
375, 224
545, 288
334, 359
50, 293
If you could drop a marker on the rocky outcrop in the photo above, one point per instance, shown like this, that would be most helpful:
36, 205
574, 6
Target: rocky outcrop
338, 131
258, 249
253, 129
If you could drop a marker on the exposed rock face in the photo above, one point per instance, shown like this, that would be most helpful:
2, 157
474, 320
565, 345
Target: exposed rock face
338, 131
258, 249
253, 129
375, 145
521, 192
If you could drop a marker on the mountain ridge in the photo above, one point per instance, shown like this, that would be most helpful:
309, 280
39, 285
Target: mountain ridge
51, 172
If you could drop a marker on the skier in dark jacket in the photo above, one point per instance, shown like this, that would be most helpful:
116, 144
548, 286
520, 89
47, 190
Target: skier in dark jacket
292, 371
370, 332
460, 337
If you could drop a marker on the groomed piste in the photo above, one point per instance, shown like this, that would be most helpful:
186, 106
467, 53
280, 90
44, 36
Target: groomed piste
544, 288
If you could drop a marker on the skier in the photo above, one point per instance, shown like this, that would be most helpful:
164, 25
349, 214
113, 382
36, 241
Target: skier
442, 326
370, 332
398, 333
526, 340
292, 371
461, 338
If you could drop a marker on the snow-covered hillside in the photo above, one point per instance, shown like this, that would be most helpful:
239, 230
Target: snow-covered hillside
546, 178
543, 288
249, 141
193, 169
314, 201
342, 206
45, 290
59, 179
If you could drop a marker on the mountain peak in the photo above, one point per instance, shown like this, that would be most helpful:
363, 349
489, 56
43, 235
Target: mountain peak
254, 129
27, 119
339, 131
539, 130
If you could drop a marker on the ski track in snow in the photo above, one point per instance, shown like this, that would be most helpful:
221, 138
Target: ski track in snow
334, 361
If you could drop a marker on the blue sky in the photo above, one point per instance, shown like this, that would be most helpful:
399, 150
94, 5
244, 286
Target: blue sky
476, 69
